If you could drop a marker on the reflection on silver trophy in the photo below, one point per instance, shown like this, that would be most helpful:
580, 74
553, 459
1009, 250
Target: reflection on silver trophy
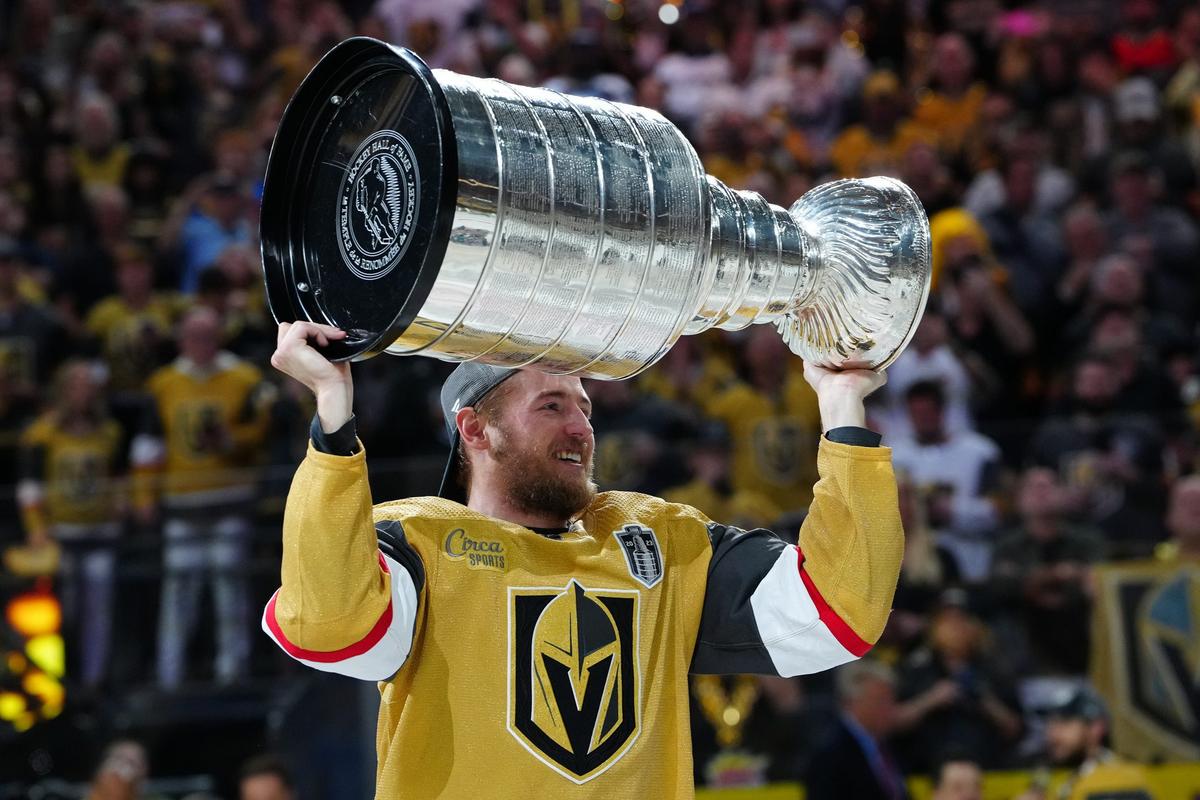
577, 235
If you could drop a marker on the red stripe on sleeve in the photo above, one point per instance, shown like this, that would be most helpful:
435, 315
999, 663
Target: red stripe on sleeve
841, 631
328, 657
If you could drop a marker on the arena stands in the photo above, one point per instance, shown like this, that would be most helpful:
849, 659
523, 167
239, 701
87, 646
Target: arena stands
1045, 421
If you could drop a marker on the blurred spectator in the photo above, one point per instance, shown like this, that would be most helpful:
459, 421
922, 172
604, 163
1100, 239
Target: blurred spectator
925, 172
1183, 90
134, 326
265, 777
208, 416
710, 489
1040, 575
1138, 126
72, 492
985, 322
58, 198
876, 146
957, 777
122, 773
584, 71
1141, 44
951, 110
1024, 238
925, 572
957, 471
100, 157
1076, 735
1183, 522
695, 74
1026, 180
242, 303
634, 433
1086, 242
928, 358
1136, 220
32, 341
695, 368
211, 216
1110, 462
146, 186
855, 760
772, 416
952, 690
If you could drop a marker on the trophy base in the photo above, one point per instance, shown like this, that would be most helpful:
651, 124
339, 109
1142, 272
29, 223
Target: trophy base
342, 179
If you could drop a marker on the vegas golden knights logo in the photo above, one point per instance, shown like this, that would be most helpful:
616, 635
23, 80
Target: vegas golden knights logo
573, 684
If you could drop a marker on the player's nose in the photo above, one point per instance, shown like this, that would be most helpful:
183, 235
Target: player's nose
578, 425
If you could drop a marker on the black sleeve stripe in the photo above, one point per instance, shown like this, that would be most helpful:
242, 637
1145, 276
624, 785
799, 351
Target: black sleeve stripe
729, 641
394, 545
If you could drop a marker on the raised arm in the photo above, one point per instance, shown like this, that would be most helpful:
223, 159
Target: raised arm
350, 587
790, 610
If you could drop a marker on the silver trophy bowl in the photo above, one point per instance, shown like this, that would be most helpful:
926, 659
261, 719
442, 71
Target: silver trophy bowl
431, 213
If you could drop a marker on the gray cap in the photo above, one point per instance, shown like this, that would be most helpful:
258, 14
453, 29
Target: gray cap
467, 385
1078, 702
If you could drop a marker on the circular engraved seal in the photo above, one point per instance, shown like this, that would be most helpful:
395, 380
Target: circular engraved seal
377, 205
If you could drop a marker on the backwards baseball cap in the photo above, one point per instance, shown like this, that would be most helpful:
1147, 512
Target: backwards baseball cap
1078, 702
469, 383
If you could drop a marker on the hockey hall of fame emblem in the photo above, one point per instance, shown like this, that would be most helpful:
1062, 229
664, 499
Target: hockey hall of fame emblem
377, 204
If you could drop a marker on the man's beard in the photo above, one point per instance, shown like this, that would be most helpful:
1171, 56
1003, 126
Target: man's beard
534, 486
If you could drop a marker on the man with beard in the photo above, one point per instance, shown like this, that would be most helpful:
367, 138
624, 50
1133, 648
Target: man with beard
1076, 738
532, 636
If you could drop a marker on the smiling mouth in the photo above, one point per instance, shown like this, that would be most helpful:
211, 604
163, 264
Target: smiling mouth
570, 457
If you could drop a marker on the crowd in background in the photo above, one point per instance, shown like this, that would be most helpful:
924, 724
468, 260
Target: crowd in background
1044, 419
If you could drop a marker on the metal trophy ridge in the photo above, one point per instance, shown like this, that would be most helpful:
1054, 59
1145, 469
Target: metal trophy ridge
438, 214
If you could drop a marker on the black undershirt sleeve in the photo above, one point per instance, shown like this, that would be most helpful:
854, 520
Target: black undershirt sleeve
342, 442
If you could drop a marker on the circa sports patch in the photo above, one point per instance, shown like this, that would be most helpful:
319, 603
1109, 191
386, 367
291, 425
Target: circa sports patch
377, 204
573, 682
479, 552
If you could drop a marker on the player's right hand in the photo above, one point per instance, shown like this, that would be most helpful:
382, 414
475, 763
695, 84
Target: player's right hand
296, 355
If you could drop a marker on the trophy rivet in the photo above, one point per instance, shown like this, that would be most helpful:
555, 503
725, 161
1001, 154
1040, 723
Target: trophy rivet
336, 100
302, 286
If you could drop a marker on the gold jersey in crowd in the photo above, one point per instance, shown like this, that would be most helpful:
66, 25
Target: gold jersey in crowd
774, 439
75, 472
128, 336
212, 422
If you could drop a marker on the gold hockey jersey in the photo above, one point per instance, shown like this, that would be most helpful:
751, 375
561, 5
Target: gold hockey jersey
772, 439
70, 476
209, 426
517, 664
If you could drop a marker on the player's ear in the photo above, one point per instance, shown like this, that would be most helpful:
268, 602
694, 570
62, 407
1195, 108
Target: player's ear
471, 430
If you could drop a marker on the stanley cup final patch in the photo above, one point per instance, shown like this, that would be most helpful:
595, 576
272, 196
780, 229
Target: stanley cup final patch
642, 553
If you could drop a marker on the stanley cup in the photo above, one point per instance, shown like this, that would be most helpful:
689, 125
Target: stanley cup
430, 213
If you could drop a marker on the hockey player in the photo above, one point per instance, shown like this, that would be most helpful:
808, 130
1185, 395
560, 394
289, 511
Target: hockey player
530, 635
